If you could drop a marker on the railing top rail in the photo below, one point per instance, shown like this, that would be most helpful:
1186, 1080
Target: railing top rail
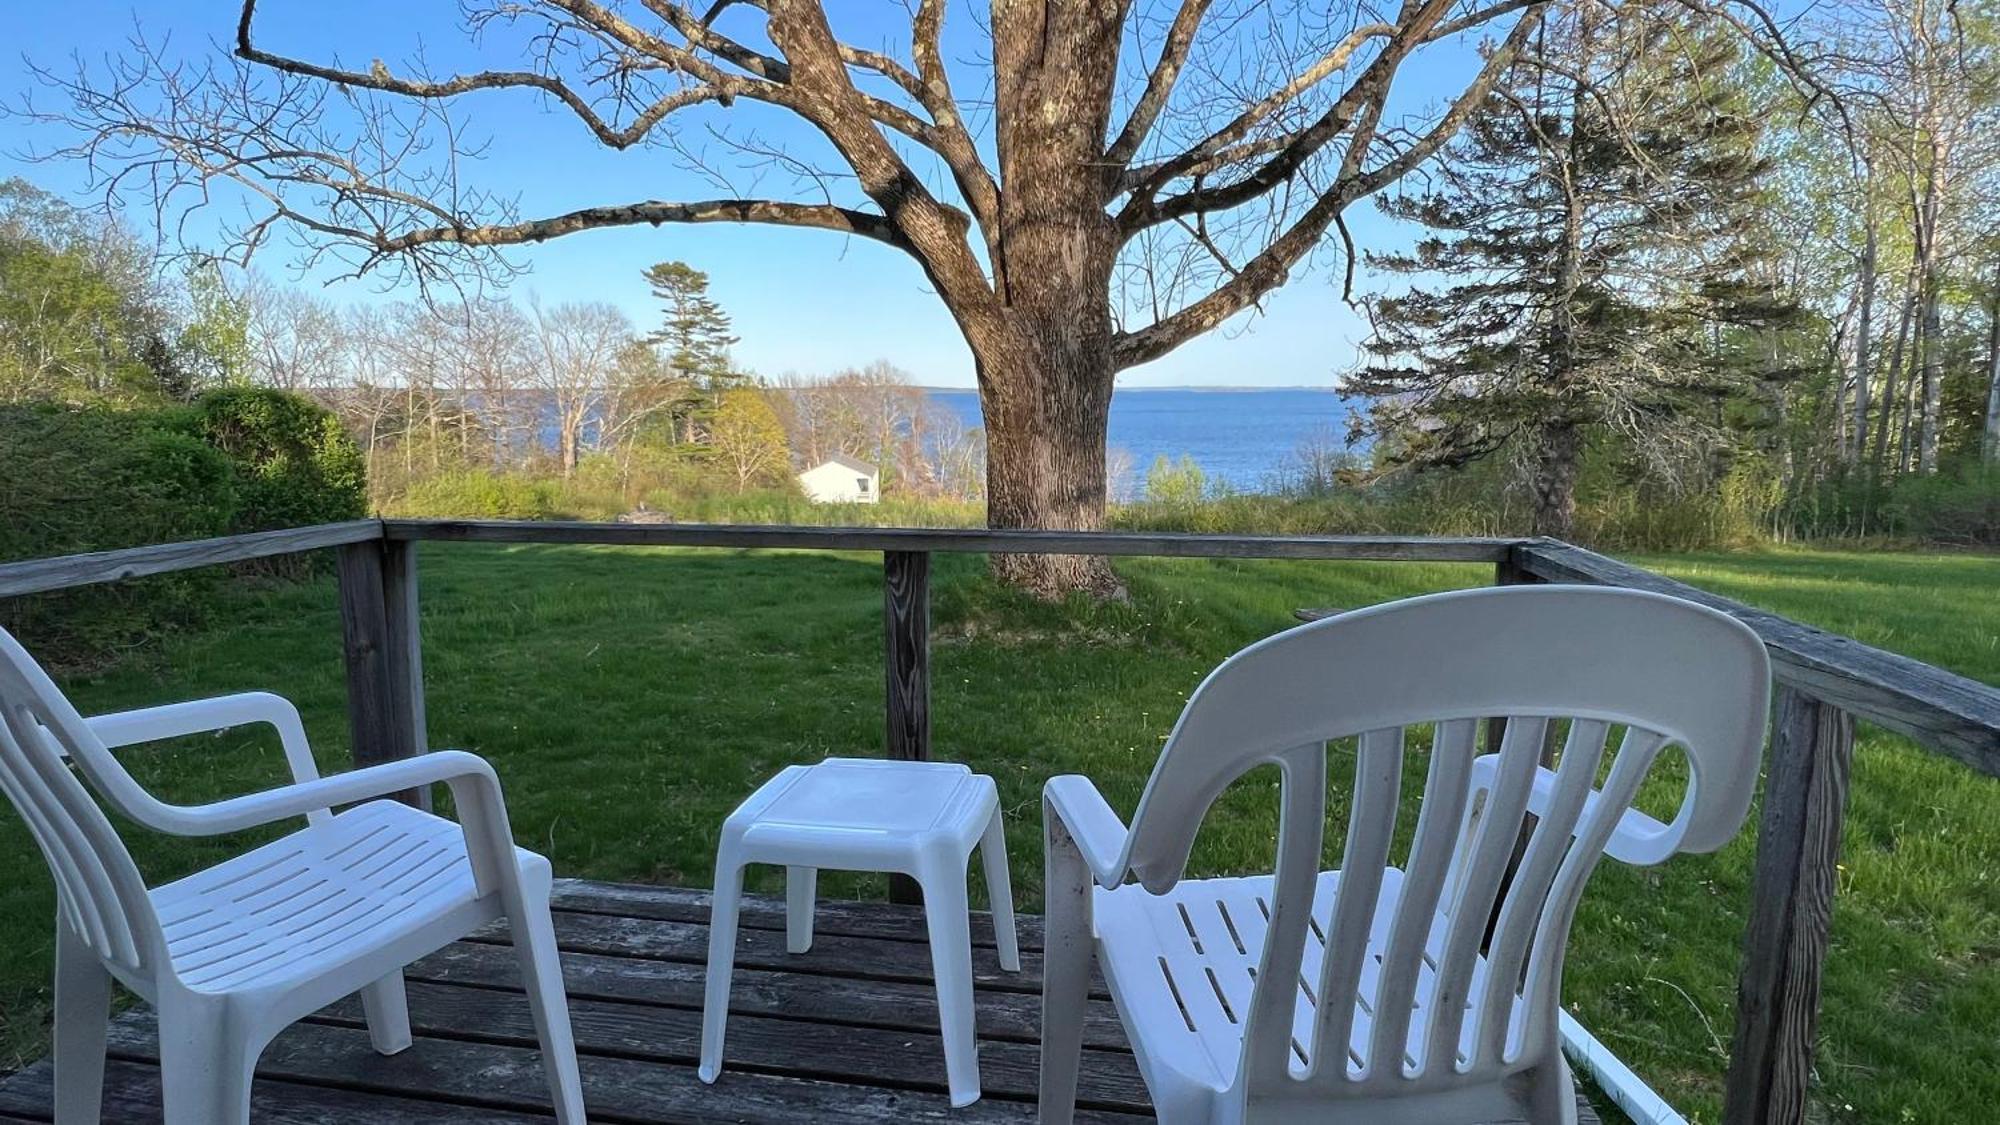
36, 576
1946, 712
1421, 548
1949, 713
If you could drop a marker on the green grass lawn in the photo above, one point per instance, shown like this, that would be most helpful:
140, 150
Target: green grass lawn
630, 697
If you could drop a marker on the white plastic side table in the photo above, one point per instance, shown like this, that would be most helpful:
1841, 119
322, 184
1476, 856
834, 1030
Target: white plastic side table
920, 819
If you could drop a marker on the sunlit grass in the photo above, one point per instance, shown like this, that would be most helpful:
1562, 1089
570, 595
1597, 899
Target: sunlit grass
631, 697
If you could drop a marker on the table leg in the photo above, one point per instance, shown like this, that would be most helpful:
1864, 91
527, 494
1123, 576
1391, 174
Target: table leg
800, 887
947, 916
1000, 892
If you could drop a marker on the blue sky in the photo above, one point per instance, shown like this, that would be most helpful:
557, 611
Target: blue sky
803, 301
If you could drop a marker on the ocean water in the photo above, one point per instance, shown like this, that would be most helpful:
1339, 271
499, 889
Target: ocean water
1242, 437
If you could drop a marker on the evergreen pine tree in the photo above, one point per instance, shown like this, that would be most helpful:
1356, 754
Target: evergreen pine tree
1591, 218
694, 330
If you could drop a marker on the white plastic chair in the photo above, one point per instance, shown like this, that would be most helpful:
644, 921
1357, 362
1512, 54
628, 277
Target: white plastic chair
231, 956
1374, 993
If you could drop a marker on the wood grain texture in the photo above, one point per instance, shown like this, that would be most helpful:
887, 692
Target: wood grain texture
767, 912
404, 649
906, 664
382, 703
963, 540
906, 653
39, 575
1791, 909
132, 1097
1948, 713
816, 1038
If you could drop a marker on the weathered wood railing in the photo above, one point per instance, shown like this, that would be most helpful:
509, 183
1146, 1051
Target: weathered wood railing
1825, 683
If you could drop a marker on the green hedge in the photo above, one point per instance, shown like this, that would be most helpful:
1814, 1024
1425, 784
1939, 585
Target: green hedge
294, 464
97, 479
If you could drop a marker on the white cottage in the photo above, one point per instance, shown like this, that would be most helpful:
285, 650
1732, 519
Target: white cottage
842, 480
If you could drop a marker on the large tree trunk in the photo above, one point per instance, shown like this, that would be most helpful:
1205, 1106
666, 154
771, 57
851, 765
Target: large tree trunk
1045, 377
1045, 442
1558, 448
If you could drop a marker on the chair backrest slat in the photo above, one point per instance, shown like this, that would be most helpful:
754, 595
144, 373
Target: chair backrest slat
1602, 810
1378, 780
1464, 951
104, 899
1490, 847
1514, 927
1301, 828
1407, 955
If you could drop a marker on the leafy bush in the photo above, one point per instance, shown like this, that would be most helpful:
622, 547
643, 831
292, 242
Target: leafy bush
479, 494
1176, 484
294, 464
97, 479
1959, 506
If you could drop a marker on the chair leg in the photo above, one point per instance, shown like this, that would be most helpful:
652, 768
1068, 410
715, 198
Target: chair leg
541, 973
1066, 959
947, 918
83, 1013
1000, 892
801, 885
721, 962
205, 1063
388, 1013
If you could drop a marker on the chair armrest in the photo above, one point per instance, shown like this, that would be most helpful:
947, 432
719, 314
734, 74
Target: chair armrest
1100, 837
475, 789
198, 716
1638, 837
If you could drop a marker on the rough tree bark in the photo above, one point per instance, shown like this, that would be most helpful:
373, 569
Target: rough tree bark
1559, 444
1558, 447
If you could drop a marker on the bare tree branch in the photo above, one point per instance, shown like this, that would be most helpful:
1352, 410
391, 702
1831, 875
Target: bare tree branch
1159, 85
1272, 266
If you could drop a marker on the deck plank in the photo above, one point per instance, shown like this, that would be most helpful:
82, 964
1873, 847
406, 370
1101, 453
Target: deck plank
904, 1059
794, 995
767, 912
132, 1097
510, 1079
846, 1033
831, 954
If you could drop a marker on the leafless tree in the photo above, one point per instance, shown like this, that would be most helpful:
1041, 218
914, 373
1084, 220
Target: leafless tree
297, 341
1106, 181
576, 349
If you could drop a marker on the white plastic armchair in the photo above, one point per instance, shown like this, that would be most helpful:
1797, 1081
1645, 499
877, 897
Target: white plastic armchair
1397, 990
232, 955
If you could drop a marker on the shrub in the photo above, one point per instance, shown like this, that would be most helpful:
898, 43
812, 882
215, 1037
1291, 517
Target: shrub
1959, 505
93, 480
294, 463
478, 494
1176, 484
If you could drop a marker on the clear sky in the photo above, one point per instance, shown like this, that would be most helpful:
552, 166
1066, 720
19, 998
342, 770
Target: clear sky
804, 301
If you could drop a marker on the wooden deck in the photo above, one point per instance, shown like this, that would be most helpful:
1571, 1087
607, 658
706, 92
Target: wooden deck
845, 1033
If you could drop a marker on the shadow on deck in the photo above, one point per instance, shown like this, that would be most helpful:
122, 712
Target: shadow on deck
845, 1033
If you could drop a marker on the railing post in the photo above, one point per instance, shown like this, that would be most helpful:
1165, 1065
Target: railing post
1791, 907
906, 660
378, 623
1507, 573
